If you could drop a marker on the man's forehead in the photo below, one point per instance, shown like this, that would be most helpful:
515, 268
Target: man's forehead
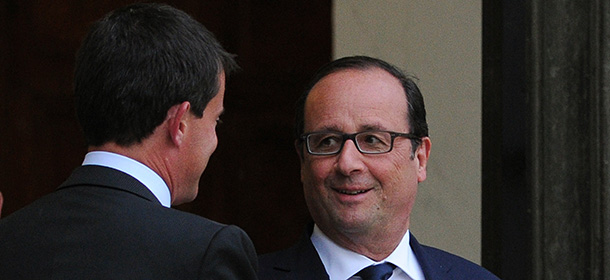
356, 100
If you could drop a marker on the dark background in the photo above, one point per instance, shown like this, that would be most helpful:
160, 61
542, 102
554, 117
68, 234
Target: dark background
252, 179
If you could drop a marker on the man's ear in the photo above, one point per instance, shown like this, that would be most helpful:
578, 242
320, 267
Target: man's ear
422, 154
1, 201
177, 117
298, 146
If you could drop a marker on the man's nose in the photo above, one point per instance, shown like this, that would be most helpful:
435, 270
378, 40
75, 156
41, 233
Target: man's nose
349, 159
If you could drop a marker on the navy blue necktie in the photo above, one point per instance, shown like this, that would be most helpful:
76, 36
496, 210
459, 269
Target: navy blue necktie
377, 272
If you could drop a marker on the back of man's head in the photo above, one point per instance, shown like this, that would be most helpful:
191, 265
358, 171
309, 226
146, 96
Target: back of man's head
137, 62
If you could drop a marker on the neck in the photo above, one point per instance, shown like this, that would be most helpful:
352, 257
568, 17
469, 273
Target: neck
375, 245
145, 153
131, 151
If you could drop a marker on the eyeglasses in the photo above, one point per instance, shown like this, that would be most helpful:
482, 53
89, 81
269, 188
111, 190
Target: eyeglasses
367, 142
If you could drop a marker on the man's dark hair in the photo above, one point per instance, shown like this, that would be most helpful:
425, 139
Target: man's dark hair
139, 61
415, 101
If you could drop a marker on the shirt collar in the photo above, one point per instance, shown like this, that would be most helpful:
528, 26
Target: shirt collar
139, 171
341, 263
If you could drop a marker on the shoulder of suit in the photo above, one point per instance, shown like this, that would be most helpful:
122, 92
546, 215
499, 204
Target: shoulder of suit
457, 263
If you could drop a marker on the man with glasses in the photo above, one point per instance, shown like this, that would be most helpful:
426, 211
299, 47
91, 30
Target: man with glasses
362, 139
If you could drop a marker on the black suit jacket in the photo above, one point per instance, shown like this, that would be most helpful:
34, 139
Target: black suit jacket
104, 224
301, 262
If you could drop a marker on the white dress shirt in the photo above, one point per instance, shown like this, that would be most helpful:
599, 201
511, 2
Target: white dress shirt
135, 169
342, 264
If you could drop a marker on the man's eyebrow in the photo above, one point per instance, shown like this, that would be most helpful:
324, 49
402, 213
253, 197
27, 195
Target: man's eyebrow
330, 128
366, 127
369, 127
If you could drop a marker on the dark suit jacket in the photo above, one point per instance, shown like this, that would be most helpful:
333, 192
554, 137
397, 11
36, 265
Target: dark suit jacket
104, 224
301, 262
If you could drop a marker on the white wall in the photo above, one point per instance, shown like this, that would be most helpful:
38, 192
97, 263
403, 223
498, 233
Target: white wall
440, 43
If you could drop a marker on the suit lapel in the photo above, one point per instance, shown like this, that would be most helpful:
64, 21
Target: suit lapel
433, 270
301, 261
308, 261
99, 176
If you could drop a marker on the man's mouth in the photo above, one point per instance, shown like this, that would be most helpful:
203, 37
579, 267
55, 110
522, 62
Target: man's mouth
348, 192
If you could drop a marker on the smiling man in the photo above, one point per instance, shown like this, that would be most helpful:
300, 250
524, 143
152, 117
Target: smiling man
363, 142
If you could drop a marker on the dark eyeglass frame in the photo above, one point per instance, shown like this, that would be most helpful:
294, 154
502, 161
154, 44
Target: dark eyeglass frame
352, 136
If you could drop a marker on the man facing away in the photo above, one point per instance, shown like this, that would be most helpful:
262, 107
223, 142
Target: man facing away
362, 139
149, 87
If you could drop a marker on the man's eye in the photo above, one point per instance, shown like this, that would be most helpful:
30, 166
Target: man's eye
329, 141
325, 141
372, 139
